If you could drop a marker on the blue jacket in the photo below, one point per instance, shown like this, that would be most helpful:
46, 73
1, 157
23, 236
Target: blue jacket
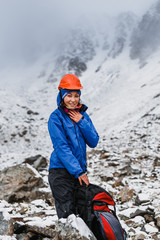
69, 140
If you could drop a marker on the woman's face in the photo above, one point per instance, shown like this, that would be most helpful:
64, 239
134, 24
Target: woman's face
71, 100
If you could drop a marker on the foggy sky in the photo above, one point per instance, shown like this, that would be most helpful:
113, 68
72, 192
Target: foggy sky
26, 24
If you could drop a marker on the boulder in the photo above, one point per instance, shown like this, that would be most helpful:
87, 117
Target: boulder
21, 183
148, 211
72, 228
157, 218
6, 227
150, 228
38, 162
126, 194
142, 198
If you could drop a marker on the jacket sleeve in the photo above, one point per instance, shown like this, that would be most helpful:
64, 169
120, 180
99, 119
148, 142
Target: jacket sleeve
61, 147
88, 130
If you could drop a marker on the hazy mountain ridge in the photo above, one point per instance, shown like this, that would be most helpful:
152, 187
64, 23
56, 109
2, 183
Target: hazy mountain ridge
146, 37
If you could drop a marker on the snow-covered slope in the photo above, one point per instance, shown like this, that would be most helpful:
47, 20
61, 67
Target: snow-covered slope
117, 60
117, 88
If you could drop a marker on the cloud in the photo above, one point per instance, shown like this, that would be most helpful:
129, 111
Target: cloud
30, 27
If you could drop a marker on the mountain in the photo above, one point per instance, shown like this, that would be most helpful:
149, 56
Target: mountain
119, 86
117, 61
145, 37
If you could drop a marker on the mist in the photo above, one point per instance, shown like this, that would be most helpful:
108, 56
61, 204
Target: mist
30, 29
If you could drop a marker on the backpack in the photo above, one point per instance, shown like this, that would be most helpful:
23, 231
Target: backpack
97, 208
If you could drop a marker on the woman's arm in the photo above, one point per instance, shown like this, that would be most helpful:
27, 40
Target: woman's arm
87, 128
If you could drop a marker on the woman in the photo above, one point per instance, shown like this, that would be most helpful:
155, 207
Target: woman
70, 129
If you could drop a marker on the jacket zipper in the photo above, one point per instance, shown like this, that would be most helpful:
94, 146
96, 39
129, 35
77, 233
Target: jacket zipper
79, 142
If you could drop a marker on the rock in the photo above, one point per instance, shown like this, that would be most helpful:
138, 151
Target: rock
149, 218
21, 228
77, 65
126, 194
142, 198
142, 211
148, 228
20, 183
6, 227
64, 229
156, 162
154, 236
107, 177
135, 222
3, 225
23, 236
140, 237
113, 164
30, 112
104, 156
38, 162
135, 171
118, 183
23, 133
157, 218
73, 228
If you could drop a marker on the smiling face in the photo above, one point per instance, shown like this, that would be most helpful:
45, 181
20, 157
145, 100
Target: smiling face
71, 100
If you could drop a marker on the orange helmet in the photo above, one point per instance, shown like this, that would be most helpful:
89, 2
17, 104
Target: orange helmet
70, 81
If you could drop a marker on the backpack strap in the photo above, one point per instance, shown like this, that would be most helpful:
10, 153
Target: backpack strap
88, 204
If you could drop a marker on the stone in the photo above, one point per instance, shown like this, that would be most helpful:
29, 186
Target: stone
142, 198
21, 183
77, 65
126, 194
140, 237
23, 236
135, 171
38, 162
64, 229
154, 236
30, 112
156, 162
70, 229
157, 218
149, 228
107, 177
21, 228
104, 156
142, 212
149, 217
118, 183
4, 225
135, 222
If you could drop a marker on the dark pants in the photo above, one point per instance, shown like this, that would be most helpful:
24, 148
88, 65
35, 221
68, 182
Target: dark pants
63, 185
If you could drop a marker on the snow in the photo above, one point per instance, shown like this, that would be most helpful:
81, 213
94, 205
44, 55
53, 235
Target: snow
118, 96
143, 197
34, 170
7, 238
150, 229
79, 224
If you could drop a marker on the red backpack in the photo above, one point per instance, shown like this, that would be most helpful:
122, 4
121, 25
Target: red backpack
97, 208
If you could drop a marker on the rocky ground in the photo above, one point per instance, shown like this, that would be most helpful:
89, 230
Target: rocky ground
127, 164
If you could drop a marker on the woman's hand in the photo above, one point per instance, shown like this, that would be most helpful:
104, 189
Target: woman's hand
83, 178
75, 116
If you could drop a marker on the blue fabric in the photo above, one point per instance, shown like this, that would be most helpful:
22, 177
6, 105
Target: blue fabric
69, 141
64, 92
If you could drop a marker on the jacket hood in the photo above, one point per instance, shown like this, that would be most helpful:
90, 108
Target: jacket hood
58, 99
